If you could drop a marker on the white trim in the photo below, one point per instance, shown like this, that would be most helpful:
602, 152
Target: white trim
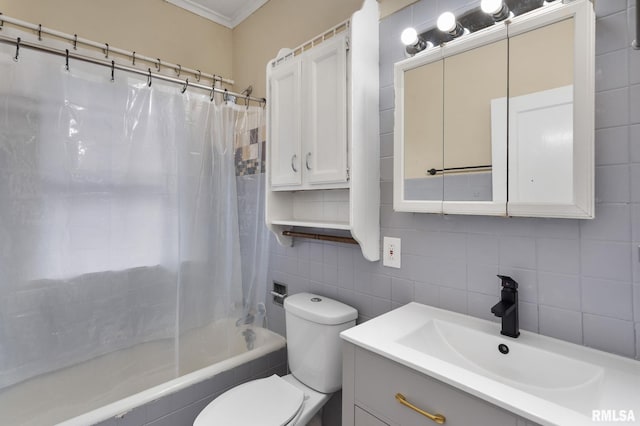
240, 15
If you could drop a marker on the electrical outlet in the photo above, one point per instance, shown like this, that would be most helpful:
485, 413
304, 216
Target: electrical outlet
391, 252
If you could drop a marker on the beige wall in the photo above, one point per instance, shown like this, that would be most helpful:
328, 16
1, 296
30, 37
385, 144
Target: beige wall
158, 29
287, 23
278, 24
151, 27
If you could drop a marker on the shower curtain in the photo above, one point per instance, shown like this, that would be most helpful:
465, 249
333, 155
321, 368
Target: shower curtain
119, 219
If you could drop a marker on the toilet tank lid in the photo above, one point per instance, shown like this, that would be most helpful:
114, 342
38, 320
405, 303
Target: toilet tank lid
319, 309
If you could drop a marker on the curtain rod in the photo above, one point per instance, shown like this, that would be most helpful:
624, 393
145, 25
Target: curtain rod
74, 39
322, 237
113, 66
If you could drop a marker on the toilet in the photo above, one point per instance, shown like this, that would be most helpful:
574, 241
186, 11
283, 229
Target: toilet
313, 327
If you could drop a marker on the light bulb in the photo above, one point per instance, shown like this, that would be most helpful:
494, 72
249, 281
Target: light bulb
409, 36
447, 22
496, 8
491, 6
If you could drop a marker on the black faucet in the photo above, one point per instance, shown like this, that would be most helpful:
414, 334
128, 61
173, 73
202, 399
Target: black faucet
507, 307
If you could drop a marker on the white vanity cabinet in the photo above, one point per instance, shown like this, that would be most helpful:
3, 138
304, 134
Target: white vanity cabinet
323, 141
308, 114
371, 383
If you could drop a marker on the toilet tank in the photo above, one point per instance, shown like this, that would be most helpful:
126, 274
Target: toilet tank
314, 349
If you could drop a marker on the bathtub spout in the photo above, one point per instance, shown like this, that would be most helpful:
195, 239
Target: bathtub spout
247, 319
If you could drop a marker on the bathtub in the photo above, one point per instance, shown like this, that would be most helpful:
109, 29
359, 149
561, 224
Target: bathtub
119, 383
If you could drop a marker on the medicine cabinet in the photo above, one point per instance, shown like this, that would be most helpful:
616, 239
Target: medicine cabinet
323, 134
500, 121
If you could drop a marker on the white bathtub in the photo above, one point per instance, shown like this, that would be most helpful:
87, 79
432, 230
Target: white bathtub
116, 383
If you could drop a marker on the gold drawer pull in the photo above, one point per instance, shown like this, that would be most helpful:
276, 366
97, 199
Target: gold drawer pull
438, 418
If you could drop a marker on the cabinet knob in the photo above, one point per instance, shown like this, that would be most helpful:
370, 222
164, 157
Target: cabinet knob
307, 160
438, 418
293, 162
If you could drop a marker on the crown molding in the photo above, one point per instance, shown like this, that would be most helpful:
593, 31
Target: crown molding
240, 15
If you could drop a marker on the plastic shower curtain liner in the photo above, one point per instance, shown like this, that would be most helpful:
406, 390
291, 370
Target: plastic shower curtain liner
128, 214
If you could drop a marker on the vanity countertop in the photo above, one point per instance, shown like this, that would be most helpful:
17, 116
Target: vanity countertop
545, 380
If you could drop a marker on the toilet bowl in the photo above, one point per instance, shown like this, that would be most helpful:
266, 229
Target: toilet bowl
271, 401
313, 326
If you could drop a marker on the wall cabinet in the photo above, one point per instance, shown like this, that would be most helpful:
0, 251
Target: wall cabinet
323, 134
309, 119
371, 383
500, 121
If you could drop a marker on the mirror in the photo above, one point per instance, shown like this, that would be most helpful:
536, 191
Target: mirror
450, 115
472, 81
423, 132
514, 100
551, 113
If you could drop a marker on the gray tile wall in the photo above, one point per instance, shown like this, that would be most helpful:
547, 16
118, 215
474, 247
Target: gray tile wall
580, 279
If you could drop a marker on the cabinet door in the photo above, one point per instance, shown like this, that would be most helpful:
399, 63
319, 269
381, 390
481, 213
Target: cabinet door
551, 167
325, 120
284, 124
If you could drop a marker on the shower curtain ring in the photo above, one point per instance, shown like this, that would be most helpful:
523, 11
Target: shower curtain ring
158, 65
213, 90
106, 50
179, 70
225, 97
75, 42
198, 76
264, 103
133, 62
149, 78
17, 49
113, 68
66, 64
39, 32
246, 101
186, 84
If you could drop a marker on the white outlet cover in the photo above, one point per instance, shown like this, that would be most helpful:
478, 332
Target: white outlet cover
391, 252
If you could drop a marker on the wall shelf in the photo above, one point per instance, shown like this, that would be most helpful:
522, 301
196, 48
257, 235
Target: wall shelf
313, 179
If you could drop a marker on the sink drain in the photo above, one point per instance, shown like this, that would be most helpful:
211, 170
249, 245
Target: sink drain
504, 349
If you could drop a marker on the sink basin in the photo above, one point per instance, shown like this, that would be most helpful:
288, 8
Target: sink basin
540, 372
545, 380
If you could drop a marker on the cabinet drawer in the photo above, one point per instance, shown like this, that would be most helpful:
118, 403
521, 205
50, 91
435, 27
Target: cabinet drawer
378, 380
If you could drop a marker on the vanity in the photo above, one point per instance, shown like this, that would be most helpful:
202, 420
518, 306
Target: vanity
421, 365
500, 121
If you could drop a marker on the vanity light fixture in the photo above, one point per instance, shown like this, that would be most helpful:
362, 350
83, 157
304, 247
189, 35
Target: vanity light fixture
449, 26
447, 23
498, 9
413, 42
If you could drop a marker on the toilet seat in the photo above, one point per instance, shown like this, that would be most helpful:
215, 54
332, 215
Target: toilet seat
271, 401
